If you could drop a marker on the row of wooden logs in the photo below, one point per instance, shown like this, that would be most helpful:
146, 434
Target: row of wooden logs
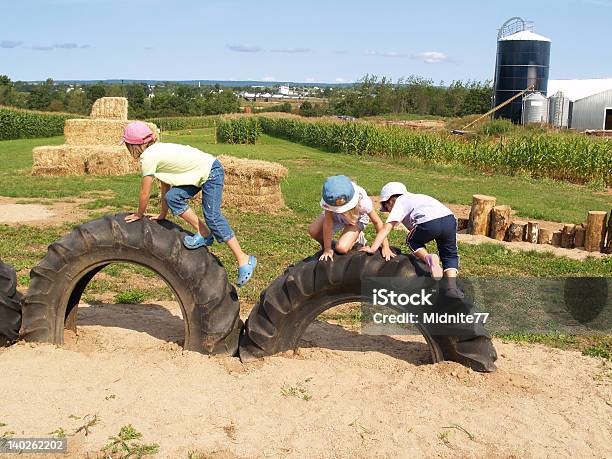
489, 219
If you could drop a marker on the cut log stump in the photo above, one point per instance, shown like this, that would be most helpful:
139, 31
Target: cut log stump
531, 232
608, 247
500, 221
480, 215
556, 239
462, 223
595, 231
544, 236
567, 236
515, 231
579, 236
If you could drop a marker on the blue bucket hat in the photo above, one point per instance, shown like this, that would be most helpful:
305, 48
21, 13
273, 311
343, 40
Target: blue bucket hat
339, 194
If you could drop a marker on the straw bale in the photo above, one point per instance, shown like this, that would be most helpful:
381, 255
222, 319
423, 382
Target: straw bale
251, 190
96, 132
57, 160
83, 159
111, 161
110, 108
251, 168
272, 203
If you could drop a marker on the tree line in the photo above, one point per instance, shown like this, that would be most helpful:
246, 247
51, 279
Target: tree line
170, 99
373, 96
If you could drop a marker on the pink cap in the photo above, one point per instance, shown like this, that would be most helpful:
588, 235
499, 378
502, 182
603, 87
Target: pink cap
137, 133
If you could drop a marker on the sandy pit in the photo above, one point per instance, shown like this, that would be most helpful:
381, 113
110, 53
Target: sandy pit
45, 212
343, 395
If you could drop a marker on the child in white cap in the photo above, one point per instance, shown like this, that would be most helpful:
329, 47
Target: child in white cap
184, 171
427, 219
347, 208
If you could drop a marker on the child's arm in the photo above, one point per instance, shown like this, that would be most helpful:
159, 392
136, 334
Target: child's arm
164, 205
143, 201
380, 237
328, 229
387, 253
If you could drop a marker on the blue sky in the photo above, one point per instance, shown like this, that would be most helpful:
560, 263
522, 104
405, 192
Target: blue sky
325, 41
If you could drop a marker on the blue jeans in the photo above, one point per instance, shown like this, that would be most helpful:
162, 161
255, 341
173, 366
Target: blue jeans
442, 230
212, 190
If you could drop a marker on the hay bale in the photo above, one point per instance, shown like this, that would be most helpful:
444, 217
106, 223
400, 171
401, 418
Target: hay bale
111, 161
57, 160
110, 108
252, 168
96, 132
253, 185
83, 159
268, 204
248, 189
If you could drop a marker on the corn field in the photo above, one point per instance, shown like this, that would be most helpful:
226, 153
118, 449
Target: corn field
574, 158
245, 130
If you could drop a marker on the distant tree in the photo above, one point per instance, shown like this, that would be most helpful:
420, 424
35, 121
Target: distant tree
56, 105
76, 101
95, 91
40, 97
136, 96
6, 90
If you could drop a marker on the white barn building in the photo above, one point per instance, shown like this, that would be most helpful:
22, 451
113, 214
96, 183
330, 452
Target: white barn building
590, 102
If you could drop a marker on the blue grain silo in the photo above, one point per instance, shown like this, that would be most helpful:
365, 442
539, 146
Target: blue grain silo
523, 59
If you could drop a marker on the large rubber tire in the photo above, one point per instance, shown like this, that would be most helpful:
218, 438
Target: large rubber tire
291, 303
208, 302
10, 305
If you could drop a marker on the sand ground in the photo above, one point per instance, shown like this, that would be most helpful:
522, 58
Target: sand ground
343, 395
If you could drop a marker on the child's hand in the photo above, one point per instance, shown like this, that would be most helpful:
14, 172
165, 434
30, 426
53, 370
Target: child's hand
328, 254
387, 253
133, 218
367, 249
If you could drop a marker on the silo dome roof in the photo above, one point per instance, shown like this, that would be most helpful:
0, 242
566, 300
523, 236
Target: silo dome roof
525, 35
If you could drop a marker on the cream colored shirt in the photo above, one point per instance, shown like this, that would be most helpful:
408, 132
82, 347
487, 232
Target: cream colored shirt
176, 164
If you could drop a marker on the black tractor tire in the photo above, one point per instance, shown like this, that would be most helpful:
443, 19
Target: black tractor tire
10, 305
308, 288
208, 302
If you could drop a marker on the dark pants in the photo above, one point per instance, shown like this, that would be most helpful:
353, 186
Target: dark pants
442, 230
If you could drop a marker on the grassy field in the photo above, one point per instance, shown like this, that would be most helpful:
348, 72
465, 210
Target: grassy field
281, 240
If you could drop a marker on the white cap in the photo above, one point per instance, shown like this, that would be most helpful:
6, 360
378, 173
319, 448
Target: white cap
391, 189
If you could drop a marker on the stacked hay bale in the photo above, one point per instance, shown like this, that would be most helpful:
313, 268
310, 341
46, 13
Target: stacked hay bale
92, 145
253, 185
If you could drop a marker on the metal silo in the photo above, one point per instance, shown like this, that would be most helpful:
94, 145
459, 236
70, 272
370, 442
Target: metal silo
523, 59
535, 109
558, 110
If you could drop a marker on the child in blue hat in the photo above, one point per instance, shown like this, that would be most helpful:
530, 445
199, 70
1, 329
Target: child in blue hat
347, 209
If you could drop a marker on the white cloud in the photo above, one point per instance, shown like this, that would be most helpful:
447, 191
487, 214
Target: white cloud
371, 52
244, 48
310, 80
341, 80
269, 78
10, 44
432, 57
292, 50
